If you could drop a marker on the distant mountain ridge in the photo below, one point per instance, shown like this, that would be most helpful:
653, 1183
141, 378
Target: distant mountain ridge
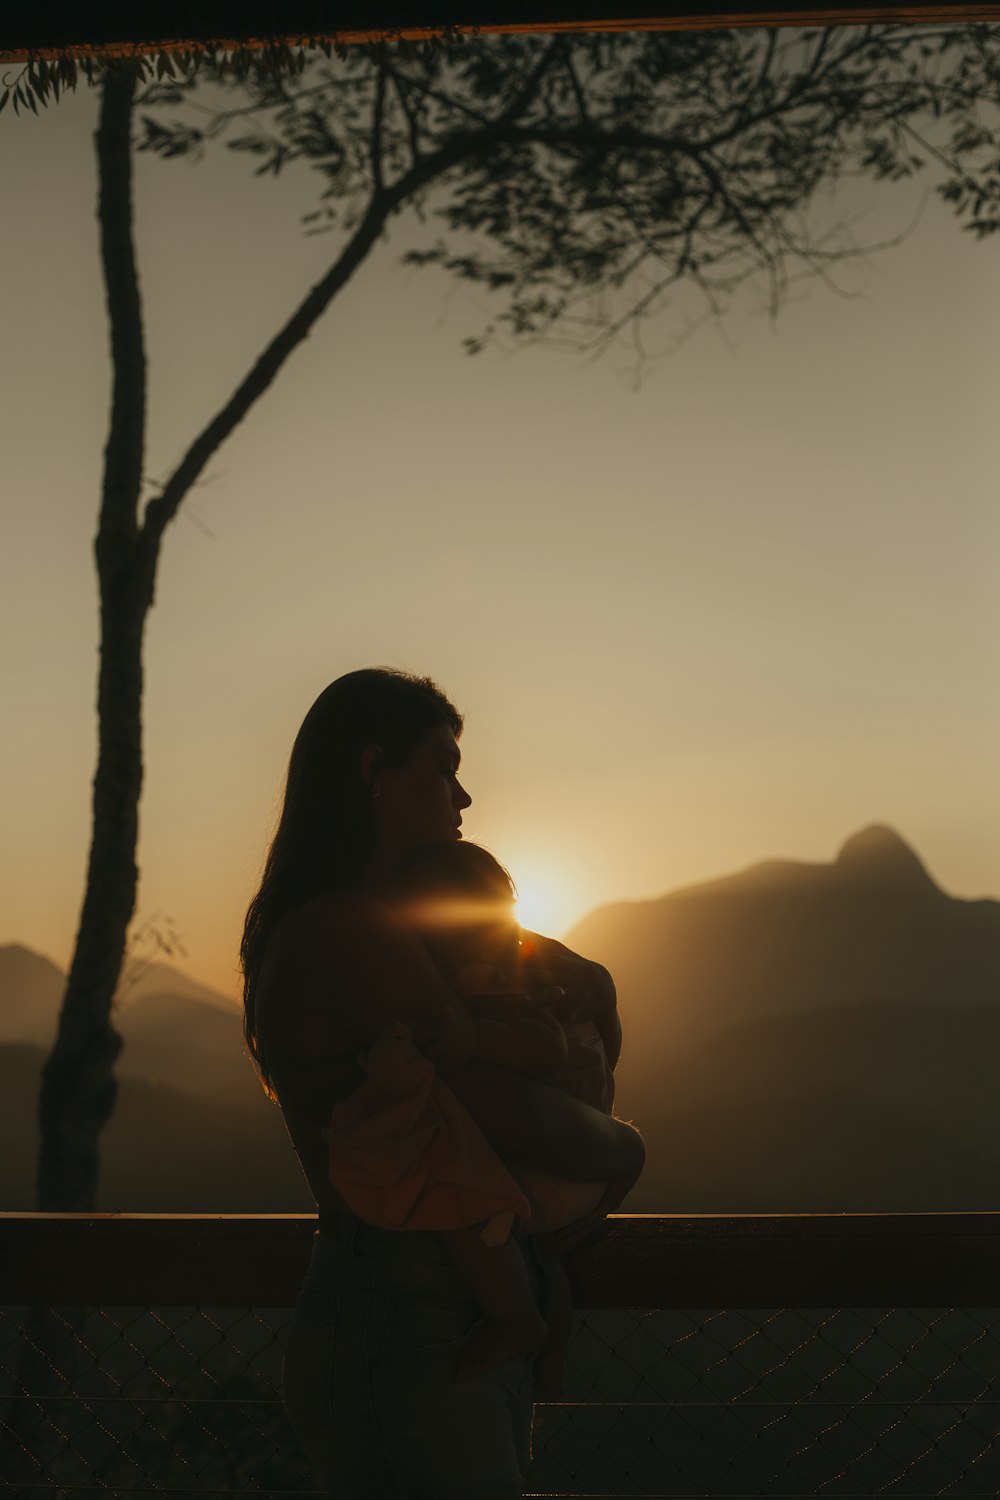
810, 1037
165, 1150
192, 1130
797, 1037
31, 990
781, 937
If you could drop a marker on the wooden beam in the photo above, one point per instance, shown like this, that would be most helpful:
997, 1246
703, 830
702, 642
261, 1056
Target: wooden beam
97, 28
646, 1260
794, 1260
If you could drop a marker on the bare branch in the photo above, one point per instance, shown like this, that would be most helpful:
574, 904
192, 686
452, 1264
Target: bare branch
378, 109
412, 123
578, 93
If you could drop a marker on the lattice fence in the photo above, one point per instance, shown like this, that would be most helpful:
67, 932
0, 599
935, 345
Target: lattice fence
137, 1401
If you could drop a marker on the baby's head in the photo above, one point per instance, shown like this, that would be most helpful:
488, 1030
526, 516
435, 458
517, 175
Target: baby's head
461, 901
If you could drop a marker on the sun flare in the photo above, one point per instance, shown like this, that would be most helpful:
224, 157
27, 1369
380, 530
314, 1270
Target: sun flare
543, 902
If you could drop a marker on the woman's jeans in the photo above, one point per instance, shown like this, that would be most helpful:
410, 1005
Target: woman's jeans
369, 1373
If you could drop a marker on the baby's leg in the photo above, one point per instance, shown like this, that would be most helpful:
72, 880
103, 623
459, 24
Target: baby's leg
531, 1124
497, 1276
555, 1243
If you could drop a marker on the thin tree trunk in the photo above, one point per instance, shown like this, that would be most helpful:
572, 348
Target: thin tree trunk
78, 1085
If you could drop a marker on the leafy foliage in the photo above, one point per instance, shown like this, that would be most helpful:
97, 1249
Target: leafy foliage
585, 178
42, 80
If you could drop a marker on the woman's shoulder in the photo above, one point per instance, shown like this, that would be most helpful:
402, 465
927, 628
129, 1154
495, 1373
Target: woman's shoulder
308, 983
348, 952
345, 941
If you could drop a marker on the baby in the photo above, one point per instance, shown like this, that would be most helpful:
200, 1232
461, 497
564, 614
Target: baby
406, 1154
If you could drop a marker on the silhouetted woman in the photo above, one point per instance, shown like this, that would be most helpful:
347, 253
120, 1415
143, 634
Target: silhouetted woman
370, 1382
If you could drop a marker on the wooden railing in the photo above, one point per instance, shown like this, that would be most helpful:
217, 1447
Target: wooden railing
144, 1349
645, 1260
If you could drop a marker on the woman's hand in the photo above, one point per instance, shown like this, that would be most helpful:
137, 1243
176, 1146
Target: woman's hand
587, 991
509, 992
549, 966
446, 1039
475, 979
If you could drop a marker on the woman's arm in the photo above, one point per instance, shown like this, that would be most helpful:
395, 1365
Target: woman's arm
366, 970
535, 1045
530, 1124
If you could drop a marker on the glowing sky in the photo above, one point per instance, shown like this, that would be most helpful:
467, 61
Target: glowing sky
738, 613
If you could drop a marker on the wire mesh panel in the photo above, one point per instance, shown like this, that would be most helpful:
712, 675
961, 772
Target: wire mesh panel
135, 1400
783, 1403
787, 1403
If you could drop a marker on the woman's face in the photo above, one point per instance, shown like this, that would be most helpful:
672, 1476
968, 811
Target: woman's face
421, 801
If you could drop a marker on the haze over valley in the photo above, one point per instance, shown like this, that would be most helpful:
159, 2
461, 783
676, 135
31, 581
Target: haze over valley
796, 1037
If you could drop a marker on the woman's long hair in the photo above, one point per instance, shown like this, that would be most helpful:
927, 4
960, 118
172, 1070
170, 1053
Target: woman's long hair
327, 829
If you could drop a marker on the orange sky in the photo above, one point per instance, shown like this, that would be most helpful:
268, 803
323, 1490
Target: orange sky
741, 612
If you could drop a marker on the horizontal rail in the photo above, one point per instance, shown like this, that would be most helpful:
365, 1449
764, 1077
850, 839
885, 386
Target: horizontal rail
644, 1260
60, 29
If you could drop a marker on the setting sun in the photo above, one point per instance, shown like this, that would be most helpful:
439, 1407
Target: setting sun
544, 904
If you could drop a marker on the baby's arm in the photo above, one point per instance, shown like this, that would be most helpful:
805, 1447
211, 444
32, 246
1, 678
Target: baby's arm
590, 993
535, 1045
608, 1022
531, 1046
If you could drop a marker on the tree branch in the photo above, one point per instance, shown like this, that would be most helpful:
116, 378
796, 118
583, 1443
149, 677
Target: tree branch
123, 453
526, 94
577, 88
522, 98
770, 47
412, 124
378, 110
163, 507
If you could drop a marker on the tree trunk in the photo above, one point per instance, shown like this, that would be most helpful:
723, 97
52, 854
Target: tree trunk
78, 1085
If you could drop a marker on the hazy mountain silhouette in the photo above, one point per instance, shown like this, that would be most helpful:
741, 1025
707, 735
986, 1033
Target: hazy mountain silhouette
185, 1044
890, 1107
165, 1150
783, 937
192, 1130
31, 989
796, 1037
140, 980
810, 1036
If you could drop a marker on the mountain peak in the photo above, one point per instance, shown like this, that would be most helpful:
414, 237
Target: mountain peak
878, 854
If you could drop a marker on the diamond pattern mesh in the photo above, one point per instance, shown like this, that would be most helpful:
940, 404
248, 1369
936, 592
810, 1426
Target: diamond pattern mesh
138, 1401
